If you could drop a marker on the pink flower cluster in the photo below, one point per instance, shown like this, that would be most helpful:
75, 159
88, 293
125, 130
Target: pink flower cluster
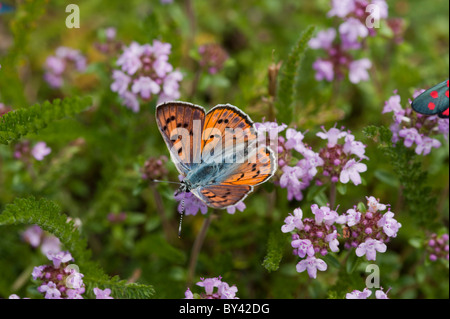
350, 36
224, 291
295, 177
342, 162
60, 280
367, 231
299, 164
366, 293
62, 64
145, 73
414, 129
437, 247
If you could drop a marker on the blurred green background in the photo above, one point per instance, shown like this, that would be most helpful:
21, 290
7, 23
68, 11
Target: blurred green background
102, 175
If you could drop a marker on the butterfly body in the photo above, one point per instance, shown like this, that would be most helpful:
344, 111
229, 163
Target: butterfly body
216, 152
434, 101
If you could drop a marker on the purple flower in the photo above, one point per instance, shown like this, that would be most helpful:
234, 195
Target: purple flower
352, 29
354, 147
389, 224
410, 135
356, 294
40, 151
51, 291
59, 257
272, 129
324, 214
75, 293
121, 82
353, 217
332, 241
332, 135
293, 221
130, 59
209, 284
37, 272
304, 247
370, 248
393, 105
146, 87
351, 172
188, 294
226, 292
294, 140
290, 180
425, 144
33, 235
311, 265
374, 204
130, 100
58, 66
358, 70
380, 294
102, 294
191, 204
239, 206
341, 8
323, 40
324, 70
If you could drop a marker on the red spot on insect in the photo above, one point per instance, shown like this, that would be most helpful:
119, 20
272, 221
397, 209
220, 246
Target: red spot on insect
447, 83
434, 94
446, 94
431, 105
445, 112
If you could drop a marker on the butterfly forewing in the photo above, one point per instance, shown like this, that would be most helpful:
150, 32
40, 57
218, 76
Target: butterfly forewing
180, 125
434, 101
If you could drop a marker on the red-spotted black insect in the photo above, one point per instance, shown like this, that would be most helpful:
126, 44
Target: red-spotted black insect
433, 101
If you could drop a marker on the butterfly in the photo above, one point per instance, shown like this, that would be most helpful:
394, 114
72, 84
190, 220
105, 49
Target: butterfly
217, 153
4, 8
433, 101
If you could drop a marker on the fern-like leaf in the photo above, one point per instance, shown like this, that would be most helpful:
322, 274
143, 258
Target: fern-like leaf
14, 125
47, 215
287, 83
274, 251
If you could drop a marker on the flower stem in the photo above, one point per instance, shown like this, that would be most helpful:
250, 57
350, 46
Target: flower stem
332, 194
197, 247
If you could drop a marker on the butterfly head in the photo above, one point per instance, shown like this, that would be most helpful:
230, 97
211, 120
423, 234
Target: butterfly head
185, 187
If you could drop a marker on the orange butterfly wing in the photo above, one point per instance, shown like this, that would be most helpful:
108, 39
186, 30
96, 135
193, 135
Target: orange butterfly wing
258, 165
179, 123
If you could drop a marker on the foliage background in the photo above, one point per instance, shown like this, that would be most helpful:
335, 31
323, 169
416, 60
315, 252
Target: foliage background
101, 174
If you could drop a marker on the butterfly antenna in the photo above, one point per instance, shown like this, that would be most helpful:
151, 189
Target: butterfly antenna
168, 182
181, 216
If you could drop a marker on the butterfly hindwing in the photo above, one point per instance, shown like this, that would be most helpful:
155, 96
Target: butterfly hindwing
222, 196
178, 123
434, 101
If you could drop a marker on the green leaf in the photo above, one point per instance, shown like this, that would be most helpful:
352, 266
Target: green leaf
47, 215
341, 188
361, 207
14, 125
352, 262
274, 250
287, 82
331, 260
